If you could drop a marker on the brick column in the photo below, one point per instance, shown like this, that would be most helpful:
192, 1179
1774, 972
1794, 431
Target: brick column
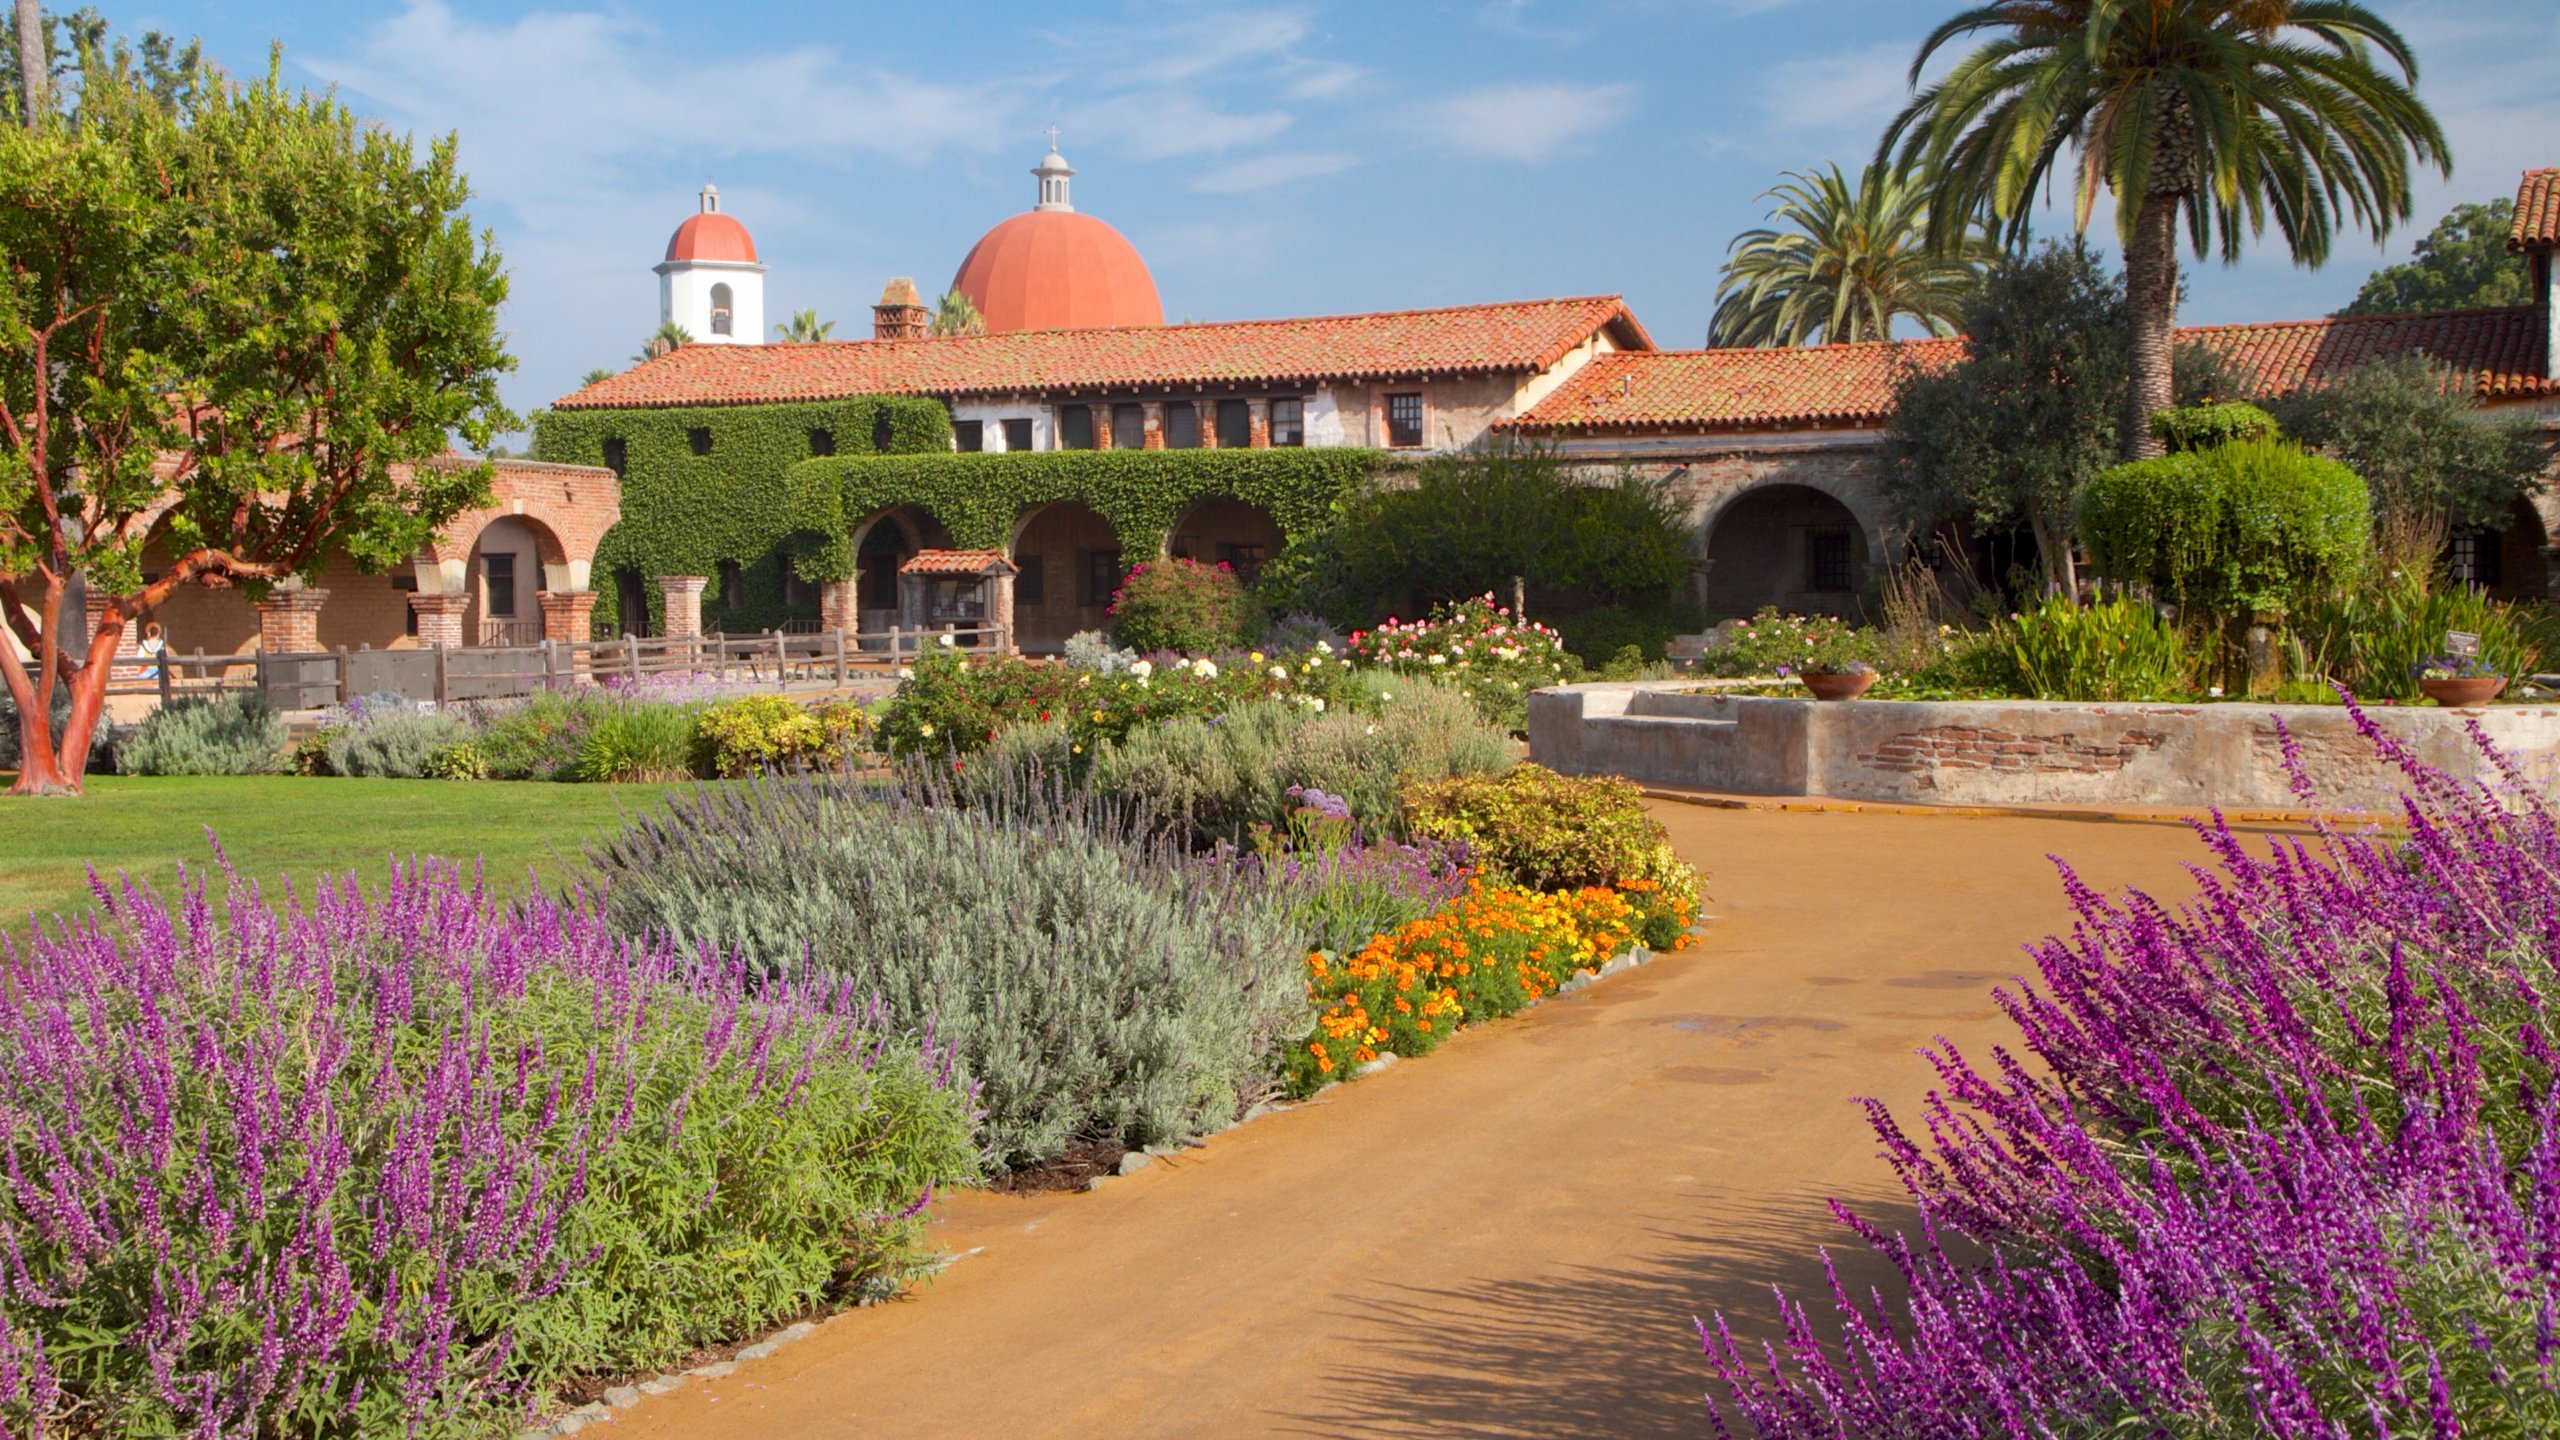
129, 642
1000, 611
568, 615
289, 620
838, 602
1154, 412
684, 604
439, 618
1258, 424
1205, 415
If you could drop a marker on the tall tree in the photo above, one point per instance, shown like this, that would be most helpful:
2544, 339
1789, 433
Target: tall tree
1842, 262
804, 328
34, 68
2008, 435
2462, 263
2416, 433
957, 314
669, 336
239, 321
2224, 115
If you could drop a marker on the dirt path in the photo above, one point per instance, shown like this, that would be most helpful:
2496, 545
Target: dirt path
1509, 1237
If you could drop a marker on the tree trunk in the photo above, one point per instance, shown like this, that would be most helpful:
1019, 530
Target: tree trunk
2151, 320
2053, 550
35, 68
47, 766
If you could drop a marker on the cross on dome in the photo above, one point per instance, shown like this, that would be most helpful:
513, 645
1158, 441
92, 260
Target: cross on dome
1053, 172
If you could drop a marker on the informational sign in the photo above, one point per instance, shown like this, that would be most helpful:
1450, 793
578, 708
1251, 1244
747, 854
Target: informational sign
2461, 642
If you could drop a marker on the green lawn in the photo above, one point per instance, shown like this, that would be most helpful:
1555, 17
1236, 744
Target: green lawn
275, 825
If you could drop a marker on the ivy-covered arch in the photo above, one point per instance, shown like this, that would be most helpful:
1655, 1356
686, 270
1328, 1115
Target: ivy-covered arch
706, 486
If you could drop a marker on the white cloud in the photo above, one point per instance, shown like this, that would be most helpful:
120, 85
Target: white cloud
1842, 96
1528, 123
1158, 125
1261, 172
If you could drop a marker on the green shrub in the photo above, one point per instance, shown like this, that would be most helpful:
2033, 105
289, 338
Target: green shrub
1422, 730
1534, 828
1094, 984
538, 737
1478, 646
751, 734
1216, 778
1598, 634
1769, 642
2109, 650
1182, 606
392, 741
2371, 637
2256, 525
638, 742
2202, 427
232, 734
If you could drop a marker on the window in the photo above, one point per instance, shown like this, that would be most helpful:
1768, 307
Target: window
969, 435
1181, 425
720, 307
699, 437
406, 584
881, 433
1031, 580
1102, 574
1235, 424
1075, 427
1404, 420
1289, 422
796, 592
822, 442
733, 585
1128, 427
2472, 556
1827, 559
498, 577
617, 456
631, 600
1017, 434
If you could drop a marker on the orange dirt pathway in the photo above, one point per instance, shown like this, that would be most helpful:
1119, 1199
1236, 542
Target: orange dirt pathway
1509, 1237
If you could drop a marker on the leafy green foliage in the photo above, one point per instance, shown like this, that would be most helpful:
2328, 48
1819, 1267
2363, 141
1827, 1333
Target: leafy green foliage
1534, 828
2009, 434
2258, 525
1094, 984
1841, 263
2202, 427
2462, 264
1770, 642
1599, 635
755, 734
1478, 646
233, 734
538, 737
636, 743
1182, 606
2371, 637
2106, 650
2414, 432
686, 514
392, 742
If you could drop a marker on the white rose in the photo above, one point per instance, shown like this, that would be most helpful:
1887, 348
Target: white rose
925, 729
1142, 669
949, 641
906, 672
1324, 646
1279, 672
1319, 702
1205, 670
1439, 659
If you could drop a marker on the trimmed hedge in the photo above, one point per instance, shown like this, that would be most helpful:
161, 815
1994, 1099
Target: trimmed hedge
2253, 525
685, 513
977, 497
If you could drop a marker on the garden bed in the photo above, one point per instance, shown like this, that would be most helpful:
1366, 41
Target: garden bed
1996, 752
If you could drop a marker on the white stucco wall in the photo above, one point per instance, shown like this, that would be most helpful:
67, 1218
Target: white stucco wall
993, 416
684, 296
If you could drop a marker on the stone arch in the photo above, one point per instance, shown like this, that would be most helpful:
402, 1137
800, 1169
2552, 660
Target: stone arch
1216, 529
1070, 559
512, 563
1798, 547
885, 540
1874, 523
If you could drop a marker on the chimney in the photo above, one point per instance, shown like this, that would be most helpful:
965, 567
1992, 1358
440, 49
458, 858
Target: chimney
901, 313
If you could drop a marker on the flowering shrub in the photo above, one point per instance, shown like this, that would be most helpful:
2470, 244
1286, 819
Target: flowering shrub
398, 1164
1484, 955
1770, 643
2286, 1162
1181, 606
1478, 646
949, 703
750, 734
1531, 827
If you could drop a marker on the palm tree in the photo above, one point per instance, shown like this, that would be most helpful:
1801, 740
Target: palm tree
2228, 115
1840, 263
598, 375
33, 63
668, 336
805, 329
958, 315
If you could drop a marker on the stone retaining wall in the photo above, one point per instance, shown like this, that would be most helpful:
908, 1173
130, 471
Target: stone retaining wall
2008, 752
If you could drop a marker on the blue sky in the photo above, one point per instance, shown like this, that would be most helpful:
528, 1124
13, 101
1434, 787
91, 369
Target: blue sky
1267, 159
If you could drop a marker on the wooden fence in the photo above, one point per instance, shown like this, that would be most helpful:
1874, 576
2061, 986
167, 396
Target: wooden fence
779, 660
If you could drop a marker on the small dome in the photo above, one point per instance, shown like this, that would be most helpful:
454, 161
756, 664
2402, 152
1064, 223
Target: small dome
1058, 270
712, 235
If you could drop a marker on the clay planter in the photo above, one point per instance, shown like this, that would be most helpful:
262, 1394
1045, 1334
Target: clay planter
2478, 690
1837, 687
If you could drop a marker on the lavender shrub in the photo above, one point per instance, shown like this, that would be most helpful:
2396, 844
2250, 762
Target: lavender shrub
2289, 1164
398, 1163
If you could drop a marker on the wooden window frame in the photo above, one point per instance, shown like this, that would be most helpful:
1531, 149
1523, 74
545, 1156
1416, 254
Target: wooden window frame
1421, 420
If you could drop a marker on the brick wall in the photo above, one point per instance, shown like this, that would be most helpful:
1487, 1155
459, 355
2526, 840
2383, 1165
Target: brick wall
1924, 751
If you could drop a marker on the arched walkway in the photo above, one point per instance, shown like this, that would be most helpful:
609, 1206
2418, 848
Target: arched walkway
1070, 562
880, 545
1791, 546
2507, 562
1219, 531
512, 558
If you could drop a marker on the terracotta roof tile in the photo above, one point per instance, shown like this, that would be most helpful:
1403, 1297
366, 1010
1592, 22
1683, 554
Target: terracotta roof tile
1842, 385
1471, 339
957, 562
2537, 224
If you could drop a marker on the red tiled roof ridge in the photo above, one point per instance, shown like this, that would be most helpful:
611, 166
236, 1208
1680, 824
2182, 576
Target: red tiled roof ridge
2397, 317
2537, 222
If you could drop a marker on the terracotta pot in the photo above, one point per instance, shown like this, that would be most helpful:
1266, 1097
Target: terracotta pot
2479, 690
1837, 687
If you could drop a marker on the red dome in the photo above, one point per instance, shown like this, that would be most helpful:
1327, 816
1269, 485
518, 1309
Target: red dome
1058, 270
711, 236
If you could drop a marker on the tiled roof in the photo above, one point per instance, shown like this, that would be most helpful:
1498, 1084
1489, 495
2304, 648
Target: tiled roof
2537, 224
1841, 385
957, 562
1472, 339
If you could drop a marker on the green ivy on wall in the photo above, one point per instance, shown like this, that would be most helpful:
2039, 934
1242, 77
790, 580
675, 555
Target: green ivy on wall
1143, 493
704, 486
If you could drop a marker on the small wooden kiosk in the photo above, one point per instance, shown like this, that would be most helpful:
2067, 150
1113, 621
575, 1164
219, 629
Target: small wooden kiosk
961, 589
